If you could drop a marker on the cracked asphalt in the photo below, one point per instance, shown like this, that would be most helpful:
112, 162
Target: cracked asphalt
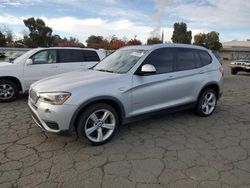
175, 150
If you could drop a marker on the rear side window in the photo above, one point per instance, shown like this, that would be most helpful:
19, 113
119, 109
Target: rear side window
185, 59
162, 59
67, 56
90, 55
205, 58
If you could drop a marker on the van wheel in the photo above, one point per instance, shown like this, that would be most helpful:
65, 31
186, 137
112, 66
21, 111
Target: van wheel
98, 124
233, 71
207, 103
8, 91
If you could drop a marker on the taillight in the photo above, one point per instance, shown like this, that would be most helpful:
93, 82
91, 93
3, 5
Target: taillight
222, 71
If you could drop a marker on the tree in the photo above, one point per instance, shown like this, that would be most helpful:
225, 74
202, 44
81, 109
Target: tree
154, 40
213, 41
2, 40
116, 44
134, 42
71, 42
210, 40
180, 34
95, 41
200, 39
40, 35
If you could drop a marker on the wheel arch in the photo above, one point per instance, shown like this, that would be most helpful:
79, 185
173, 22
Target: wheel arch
13, 79
112, 101
211, 85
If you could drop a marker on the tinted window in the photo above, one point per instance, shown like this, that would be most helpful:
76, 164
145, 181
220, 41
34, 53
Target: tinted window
90, 55
44, 57
162, 59
185, 59
205, 58
70, 56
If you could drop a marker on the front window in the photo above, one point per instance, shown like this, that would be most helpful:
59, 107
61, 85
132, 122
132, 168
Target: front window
44, 57
120, 61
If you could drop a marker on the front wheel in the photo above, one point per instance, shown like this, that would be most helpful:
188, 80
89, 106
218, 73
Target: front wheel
8, 91
207, 103
98, 123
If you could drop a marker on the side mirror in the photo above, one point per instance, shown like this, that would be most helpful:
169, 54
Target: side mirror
29, 62
148, 69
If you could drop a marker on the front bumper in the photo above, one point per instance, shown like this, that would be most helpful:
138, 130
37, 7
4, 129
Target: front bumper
52, 118
240, 66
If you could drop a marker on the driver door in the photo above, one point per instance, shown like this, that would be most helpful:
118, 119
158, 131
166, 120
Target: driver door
44, 65
159, 90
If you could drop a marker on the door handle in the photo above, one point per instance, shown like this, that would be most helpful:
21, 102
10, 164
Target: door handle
54, 66
202, 72
171, 77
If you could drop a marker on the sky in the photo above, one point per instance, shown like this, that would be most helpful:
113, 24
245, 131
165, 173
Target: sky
130, 18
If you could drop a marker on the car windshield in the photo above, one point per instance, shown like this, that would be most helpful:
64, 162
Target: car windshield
120, 61
25, 56
247, 57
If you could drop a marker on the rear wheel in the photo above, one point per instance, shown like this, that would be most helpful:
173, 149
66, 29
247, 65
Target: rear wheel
234, 71
206, 103
98, 124
8, 91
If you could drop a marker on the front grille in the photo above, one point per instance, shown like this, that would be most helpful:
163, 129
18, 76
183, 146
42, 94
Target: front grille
33, 97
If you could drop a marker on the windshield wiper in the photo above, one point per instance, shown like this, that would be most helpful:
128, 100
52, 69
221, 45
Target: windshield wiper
103, 70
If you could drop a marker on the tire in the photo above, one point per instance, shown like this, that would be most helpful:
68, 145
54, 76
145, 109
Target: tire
92, 128
206, 105
8, 91
233, 71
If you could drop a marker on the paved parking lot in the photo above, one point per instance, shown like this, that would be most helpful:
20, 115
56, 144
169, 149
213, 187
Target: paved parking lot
177, 150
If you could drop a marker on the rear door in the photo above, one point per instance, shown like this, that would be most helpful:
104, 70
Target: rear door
70, 60
189, 75
91, 58
44, 65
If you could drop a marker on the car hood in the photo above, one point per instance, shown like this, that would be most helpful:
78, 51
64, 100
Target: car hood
5, 64
242, 60
71, 80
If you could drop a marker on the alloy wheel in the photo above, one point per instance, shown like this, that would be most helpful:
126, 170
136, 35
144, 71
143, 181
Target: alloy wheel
6, 91
100, 125
209, 103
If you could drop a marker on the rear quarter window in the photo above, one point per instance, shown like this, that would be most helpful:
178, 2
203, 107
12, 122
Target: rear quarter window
205, 58
90, 55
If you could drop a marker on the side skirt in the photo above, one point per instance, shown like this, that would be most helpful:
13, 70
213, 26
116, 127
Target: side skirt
160, 112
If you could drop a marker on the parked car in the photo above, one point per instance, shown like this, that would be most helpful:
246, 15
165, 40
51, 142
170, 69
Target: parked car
131, 83
242, 64
17, 76
11, 55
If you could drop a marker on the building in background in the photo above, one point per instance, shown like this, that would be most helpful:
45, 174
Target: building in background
235, 49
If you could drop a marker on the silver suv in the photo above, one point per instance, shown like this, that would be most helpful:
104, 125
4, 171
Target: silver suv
131, 83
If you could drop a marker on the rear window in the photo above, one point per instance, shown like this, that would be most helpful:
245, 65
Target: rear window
67, 56
90, 55
185, 59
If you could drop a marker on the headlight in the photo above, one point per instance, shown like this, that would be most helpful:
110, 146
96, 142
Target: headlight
54, 97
